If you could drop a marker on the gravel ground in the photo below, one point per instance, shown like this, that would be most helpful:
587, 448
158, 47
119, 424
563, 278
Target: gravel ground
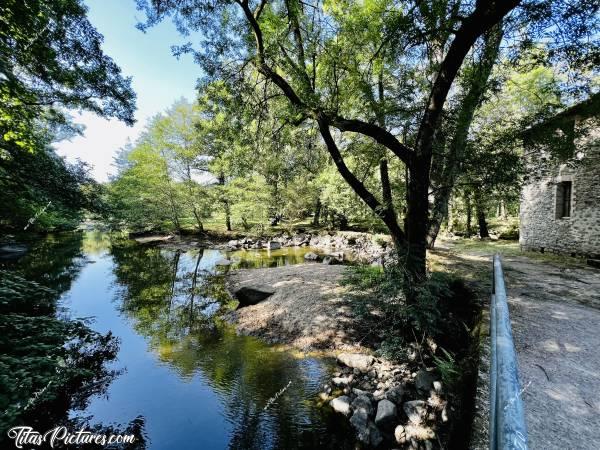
555, 314
308, 310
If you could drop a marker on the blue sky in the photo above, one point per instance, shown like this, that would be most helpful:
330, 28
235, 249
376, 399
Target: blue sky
159, 79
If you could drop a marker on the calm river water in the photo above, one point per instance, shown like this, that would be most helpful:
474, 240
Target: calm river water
193, 381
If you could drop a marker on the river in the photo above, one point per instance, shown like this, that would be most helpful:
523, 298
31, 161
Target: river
184, 373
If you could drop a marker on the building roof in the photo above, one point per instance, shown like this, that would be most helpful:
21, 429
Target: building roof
587, 108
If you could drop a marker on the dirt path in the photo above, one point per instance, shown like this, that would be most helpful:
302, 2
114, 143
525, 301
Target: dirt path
555, 313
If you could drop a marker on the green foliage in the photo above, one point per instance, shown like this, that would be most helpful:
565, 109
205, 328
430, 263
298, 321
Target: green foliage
42, 192
442, 309
447, 367
158, 187
51, 57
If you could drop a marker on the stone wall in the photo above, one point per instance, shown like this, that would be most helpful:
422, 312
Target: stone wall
541, 228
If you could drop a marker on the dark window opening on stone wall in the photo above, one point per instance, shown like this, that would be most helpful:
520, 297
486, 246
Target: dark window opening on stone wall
563, 199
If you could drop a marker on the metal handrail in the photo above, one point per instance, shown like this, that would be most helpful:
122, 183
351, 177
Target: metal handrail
507, 415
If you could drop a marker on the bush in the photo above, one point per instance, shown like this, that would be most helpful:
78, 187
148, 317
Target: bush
443, 309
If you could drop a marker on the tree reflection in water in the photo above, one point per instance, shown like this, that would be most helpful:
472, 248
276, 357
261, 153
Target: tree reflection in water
50, 365
171, 298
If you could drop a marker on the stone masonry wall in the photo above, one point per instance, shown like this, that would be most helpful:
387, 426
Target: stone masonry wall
579, 234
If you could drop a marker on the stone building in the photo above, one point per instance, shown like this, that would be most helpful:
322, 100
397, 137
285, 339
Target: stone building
560, 199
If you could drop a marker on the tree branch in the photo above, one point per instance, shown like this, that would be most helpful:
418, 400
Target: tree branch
379, 134
485, 16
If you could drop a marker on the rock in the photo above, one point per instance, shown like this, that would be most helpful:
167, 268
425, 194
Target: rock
347, 390
362, 402
310, 256
342, 381
360, 422
328, 260
358, 392
395, 394
273, 245
338, 256
356, 360
366, 431
424, 380
415, 410
375, 437
223, 262
386, 414
233, 244
378, 395
418, 432
437, 385
400, 435
327, 389
251, 295
152, 239
341, 405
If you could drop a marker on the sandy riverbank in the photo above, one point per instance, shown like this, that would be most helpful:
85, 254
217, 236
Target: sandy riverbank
308, 310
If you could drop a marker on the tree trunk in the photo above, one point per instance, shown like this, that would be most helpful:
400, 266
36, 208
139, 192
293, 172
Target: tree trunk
469, 213
317, 215
480, 209
198, 220
176, 257
450, 217
474, 96
225, 203
483, 228
415, 252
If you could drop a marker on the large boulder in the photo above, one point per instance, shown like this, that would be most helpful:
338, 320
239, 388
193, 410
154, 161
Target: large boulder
341, 405
386, 414
356, 360
251, 295
366, 431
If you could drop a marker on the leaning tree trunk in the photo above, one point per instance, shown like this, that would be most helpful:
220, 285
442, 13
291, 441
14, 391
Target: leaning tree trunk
455, 153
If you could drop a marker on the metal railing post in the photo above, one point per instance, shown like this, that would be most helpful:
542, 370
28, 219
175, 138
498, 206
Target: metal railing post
507, 415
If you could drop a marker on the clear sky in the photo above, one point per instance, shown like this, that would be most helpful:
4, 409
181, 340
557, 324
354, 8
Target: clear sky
158, 79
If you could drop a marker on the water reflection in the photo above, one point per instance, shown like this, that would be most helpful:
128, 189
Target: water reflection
254, 259
36, 391
196, 383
